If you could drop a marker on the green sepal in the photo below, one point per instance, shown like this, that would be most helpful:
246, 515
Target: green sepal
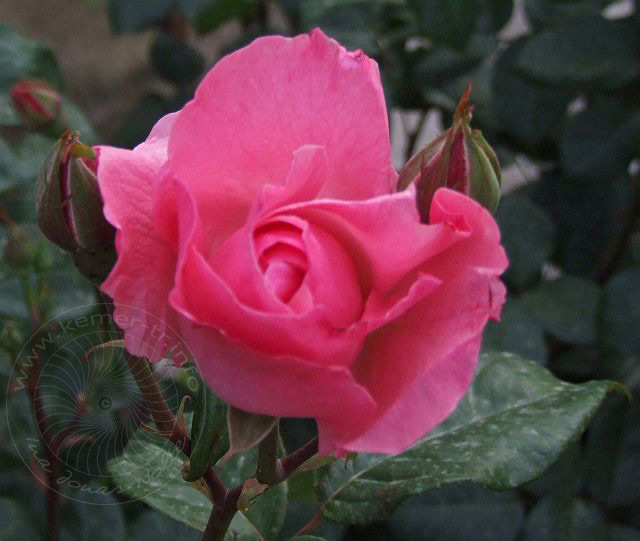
209, 433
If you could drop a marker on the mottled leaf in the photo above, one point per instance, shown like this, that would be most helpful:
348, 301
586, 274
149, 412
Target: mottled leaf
513, 423
149, 470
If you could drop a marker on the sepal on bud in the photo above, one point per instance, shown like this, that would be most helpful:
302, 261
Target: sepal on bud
69, 207
37, 103
460, 159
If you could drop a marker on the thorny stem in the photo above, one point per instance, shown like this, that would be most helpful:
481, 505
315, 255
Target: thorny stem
221, 516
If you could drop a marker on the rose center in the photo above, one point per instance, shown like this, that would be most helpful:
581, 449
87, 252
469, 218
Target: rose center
281, 257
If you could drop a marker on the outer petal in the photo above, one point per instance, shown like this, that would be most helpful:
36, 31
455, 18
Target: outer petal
419, 366
261, 103
281, 386
142, 278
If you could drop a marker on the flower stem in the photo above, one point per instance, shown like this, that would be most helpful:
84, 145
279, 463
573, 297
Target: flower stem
292, 462
221, 516
269, 471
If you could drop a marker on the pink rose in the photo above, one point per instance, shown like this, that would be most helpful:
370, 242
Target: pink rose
262, 221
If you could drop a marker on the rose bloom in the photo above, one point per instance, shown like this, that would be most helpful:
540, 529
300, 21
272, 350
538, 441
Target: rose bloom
262, 222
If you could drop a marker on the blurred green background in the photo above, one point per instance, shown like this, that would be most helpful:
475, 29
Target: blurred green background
557, 94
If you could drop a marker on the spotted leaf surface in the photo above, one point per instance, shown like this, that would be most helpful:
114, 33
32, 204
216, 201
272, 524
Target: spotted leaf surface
514, 422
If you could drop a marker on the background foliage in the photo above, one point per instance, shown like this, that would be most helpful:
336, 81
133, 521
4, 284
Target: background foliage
561, 96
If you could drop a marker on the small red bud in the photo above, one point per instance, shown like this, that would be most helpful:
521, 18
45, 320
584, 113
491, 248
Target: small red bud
69, 207
460, 159
37, 102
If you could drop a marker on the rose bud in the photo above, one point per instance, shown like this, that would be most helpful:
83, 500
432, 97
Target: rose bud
37, 102
69, 207
460, 159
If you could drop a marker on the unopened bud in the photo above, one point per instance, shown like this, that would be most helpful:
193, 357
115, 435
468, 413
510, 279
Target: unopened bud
37, 102
460, 159
69, 207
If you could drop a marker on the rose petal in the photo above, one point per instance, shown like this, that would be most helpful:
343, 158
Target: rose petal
142, 278
433, 346
427, 402
281, 386
203, 296
384, 234
261, 103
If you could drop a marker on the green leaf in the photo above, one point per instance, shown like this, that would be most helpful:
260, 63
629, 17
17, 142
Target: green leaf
604, 444
300, 513
139, 121
566, 308
586, 213
154, 525
517, 332
459, 513
15, 523
8, 115
149, 470
563, 519
448, 22
592, 50
218, 12
548, 12
192, 8
23, 58
246, 430
528, 236
175, 60
514, 422
562, 477
209, 431
621, 314
612, 453
620, 533
494, 15
600, 141
86, 512
527, 111
354, 23
134, 16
